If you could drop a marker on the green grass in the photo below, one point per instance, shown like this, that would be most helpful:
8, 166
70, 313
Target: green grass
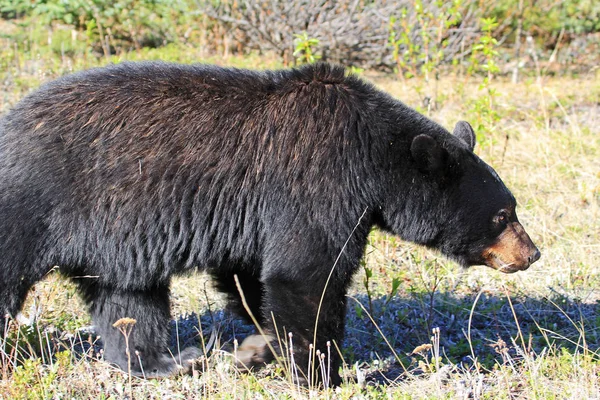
534, 334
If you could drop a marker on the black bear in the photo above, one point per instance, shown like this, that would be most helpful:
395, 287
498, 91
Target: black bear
134, 173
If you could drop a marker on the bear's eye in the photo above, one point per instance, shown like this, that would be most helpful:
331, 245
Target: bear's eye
501, 218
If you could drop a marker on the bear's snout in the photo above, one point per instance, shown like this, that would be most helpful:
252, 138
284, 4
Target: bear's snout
513, 250
535, 256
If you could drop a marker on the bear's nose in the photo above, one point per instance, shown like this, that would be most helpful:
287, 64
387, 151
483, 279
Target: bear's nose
534, 257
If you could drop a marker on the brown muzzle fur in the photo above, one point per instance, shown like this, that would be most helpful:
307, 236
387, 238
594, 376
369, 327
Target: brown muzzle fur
513, 251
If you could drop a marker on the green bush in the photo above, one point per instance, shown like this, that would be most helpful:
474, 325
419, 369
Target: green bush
416, 37
545, 19
114, 25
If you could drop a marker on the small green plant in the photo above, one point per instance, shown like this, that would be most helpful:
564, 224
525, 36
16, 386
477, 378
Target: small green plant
352, 70
305, 48
393, 291
483, 59
366, 281
404, 49
370, 295
418, 49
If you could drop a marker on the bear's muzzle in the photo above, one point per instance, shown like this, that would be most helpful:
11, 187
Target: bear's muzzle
513, 250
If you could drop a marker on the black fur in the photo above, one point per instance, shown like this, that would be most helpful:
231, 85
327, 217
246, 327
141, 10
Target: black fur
140, 171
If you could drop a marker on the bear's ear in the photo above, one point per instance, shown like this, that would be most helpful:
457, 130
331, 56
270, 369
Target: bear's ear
428, 154
464, 132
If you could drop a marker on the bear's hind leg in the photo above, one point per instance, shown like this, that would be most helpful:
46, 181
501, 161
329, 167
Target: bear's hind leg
252, 289
295, 306
300, 296
149, 354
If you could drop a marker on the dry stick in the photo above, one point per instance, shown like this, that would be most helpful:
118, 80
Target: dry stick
436, 347
331, 274
49, 349
339, 353
282, 347
545, 331
310, 353
328, 361
125, 326
516, 320
210, 313
16, 57
574, 126
583, 347
515, 75
539, 81
381, 333
507, 137
213, 334
137, 354
324, 374
16, 349
105, 47
469, 327
254, 320
203, 342
39, 335
553, 55
235, 348
526, 355
206, 347
293, 368
177, 339
5, 359
581, 331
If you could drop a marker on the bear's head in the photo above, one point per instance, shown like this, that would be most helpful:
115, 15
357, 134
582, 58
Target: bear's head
461, 206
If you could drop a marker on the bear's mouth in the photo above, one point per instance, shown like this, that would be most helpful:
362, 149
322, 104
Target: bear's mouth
494, 261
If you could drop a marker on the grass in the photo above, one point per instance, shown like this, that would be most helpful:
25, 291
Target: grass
534, 334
